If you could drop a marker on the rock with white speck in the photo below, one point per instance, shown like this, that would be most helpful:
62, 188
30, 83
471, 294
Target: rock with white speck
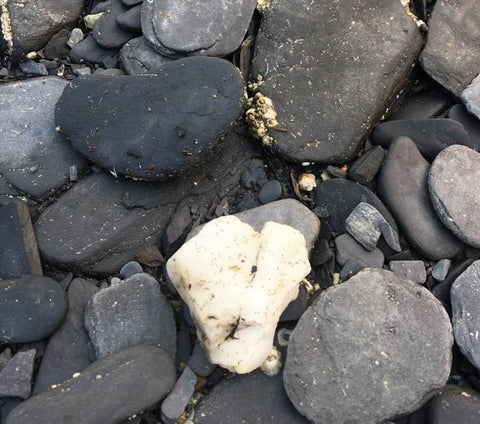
354, 356
31, 308
413, 270
16, 376
456, 404
130, 313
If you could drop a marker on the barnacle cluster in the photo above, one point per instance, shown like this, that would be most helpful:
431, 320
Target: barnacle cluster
260, 115
420, 23
5, 25
263, 5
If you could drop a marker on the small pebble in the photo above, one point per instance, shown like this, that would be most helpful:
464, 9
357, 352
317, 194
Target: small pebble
75, 37
270, 192
130, 268
441, 268
34, 68
73, 173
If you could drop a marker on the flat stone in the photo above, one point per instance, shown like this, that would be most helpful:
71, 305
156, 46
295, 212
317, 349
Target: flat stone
199, 362
413, 270
130, 313
349, 249
365, 168
131, 268
430, 136
33, 68
465, 299
88, 50
139, 57
354, 355
178, 398
69, 349
250, 398
135, 379
35, 157
470, 123
16, 376
215, 29
107, 32
271, 191
31, 308
314, 55
204, 99
402, 184
130, 20
455, 405
453, 185
336, 199
449, 56
140, 209
33, 24
18, 250
441, 268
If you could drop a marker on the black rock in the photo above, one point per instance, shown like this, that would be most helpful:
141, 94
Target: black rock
449, 56
89, 50
465, 299
107, 32
354, 355
31, 308
18, 249
337, 198
131, 268
454, 191
402, 184
364, 169
69, 349
249, 398
455, 405
470, 123
199, 362
139, 57
295, 308
271, 191
57, 47
442, 290
430, 136
321, 252
130, 3
349, 269
106, 392
129, 313
349, 249
178, 398
178, 227
413, 270
36, 159
214, 28
156, 138
130, 20
321, 60
34, 23
16, 376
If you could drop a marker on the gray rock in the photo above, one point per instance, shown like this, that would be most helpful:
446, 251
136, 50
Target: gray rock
349, 249
130, 313
354, 356
5, 356
449, 56
69, 349
106, 392
31, 308
35, 157
455, 404
321, 60
33, 23
271, 191
465, 299
16, 377
179, 225
139, 57
33, 68
140, 210
441, 268
214, 28
349, 269
402, 184
366, 224
114, 72
130, 20
453, 185
89, 50
413, 270
469, 121
75, 37
175, 403
199, 362
107, 32
131, 268
249, 398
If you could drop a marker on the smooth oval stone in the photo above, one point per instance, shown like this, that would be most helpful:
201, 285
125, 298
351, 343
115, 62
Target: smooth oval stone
215, 28
106, 392
337, 198
321, 60
453, 182
362, 353
31, 308
431, 136
139, 57
402, 185
153, 126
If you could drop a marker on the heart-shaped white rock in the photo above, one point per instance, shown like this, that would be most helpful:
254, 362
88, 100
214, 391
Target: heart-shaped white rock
237, 282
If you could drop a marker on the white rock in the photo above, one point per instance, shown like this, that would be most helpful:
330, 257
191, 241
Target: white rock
237, 282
